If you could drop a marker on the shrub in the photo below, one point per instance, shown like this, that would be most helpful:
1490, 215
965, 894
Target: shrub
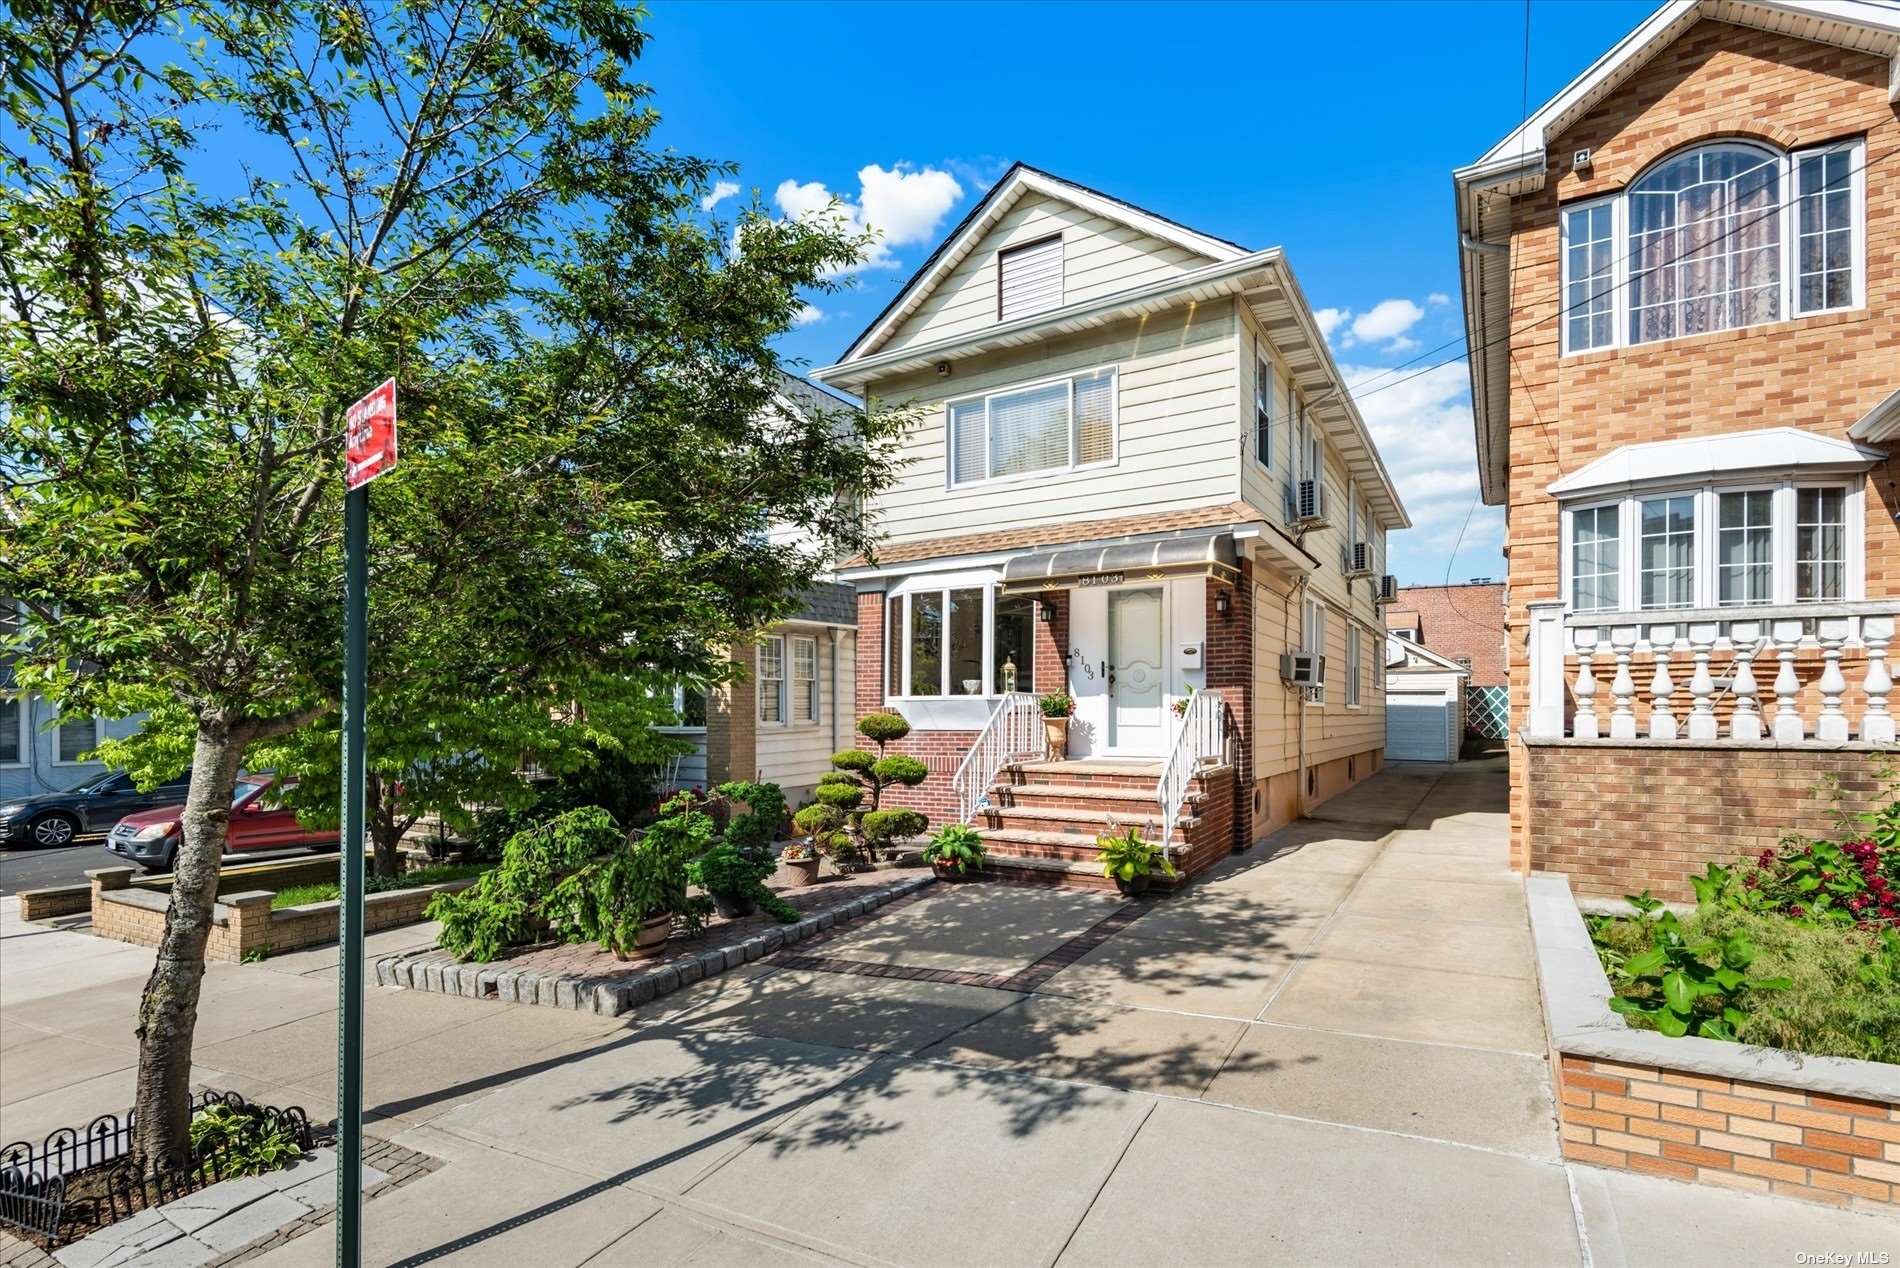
500, 910
955, 846
882, 728
851, 759
1057, 704
245, 1139
1125, 856
608, 899
855, 790
729, 872
839, 796
884, 828
899, 768
753, 832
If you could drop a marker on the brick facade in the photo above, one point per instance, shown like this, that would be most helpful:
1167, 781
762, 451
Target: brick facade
732, 726
1464, 623
1750, 1136
1230, 661
1620, 817
1821, 373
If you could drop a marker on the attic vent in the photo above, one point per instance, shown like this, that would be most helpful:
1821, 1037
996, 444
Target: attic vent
1029, 278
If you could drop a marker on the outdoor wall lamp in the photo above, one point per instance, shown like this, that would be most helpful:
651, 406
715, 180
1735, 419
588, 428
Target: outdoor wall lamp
1223, 602
1047, 611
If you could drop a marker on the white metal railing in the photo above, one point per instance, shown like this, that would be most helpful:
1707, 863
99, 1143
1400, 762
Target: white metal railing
1202, 739
1719, 649
1014, 733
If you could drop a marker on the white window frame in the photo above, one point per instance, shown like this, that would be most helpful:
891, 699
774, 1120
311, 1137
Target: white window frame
22, 736
1353, 641
775, 642
806, 695
1041, 473
1696, 532
1620, 253
98, 737
1313, 643
679, 711
1062, 280
1707, 493
941, 584
1264, 389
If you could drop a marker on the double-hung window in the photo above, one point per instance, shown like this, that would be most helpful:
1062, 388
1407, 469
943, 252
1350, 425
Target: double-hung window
772, 679
1263, 390
1714, 238
805, 679
958, 640
1059, 425
77, 737
1352, 666
1820, 544
1667, 551
12, 731
1313, 640
1745, 547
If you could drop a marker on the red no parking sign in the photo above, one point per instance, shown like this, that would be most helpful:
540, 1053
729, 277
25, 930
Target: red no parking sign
369, 439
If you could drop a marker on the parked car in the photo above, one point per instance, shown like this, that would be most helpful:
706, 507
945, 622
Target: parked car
57, 819
259, 821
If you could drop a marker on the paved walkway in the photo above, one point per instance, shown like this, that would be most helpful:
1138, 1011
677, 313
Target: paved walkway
1329, 1048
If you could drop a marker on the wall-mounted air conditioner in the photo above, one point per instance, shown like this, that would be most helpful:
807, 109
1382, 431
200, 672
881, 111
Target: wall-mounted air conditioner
1302, 669
1359, 562
1306, 504
1388, 589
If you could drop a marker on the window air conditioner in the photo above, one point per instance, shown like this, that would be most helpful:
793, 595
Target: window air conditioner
1388, 589
1302, 669
1361, 562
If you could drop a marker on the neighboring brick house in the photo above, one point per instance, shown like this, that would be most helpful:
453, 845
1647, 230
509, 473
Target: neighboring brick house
1680, 290
1136, 477
1465, 625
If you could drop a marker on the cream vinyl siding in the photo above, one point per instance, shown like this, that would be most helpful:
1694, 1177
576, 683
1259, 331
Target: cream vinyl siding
1099, 257
794, 755
1175, 433
1333, 730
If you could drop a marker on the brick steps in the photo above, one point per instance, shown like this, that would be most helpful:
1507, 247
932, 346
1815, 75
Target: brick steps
1089, 823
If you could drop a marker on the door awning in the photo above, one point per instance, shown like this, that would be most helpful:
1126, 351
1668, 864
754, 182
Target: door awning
1186, 555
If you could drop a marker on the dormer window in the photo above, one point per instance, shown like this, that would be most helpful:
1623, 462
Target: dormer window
1716, 238
1029, 278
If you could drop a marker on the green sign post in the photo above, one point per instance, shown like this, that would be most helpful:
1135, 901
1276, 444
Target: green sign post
369, 451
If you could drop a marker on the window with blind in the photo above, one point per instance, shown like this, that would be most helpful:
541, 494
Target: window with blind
772, 679
12, 748
805, 679
77, 738
1029, 278
1052, 426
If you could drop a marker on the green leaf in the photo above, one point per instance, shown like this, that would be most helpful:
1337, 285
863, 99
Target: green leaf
1645, 963
1679, 991
1672, 1024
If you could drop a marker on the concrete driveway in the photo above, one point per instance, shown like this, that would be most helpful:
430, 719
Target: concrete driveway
1330, 1047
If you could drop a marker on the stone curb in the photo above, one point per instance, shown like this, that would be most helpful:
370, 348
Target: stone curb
1582, 1024
611, 997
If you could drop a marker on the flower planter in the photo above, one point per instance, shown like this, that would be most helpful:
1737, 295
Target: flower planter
734, 906
949, 872
1055, 734
797, 873
1135, 887
651, 938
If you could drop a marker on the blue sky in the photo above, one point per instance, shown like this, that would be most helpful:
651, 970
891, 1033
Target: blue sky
1328, 129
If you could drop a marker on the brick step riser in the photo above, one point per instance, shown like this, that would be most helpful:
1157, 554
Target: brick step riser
1085, 830
1083, 851
998, 869
1068, 779
1121, 807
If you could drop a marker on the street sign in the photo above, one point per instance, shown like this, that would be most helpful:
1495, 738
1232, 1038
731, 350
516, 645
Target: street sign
369, 436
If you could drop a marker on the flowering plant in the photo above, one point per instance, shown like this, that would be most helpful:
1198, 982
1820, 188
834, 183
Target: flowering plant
1817, 882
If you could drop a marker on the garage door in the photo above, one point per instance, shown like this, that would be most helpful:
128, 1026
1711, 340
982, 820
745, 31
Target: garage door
1417, 727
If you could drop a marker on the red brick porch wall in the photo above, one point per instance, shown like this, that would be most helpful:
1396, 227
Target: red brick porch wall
1230, 642
1619, 818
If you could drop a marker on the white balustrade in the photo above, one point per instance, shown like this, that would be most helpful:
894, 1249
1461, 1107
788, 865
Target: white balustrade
1201, 741
1014, 733
1725, 649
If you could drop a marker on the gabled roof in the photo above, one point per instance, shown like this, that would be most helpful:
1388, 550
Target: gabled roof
1408, 650
1516, 165
1692, 458
1019, 180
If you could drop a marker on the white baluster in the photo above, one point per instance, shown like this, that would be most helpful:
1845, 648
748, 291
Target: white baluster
1662, 721
1833, 632
1584, 724
1876, 725
1745, 722
1702, 636
1789, 729
1623, 686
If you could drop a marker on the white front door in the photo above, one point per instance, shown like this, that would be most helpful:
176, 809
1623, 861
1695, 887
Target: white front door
1137, 672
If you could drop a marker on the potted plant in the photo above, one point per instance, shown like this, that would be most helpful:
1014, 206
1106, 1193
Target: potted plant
1180, 706
955, 853
798, 863
1057, 708
629, 900
1130, 861
730, 878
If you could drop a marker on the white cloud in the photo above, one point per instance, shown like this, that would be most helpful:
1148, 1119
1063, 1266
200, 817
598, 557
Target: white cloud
720, 192
810, 314
1438, 297
901, 205
1387, 319
1329, 320
1401, 344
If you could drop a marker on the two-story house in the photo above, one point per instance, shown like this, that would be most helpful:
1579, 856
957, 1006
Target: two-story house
1137, 478
1680, 292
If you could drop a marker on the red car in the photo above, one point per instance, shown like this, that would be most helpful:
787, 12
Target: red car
259, 821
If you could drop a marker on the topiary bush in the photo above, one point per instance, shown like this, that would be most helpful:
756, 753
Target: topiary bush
502, 908
753, 832
883, 829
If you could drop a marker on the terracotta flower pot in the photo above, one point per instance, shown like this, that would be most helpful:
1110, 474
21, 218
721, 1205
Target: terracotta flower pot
1055, 733
949, 872
734, 906
651, 939
797, 873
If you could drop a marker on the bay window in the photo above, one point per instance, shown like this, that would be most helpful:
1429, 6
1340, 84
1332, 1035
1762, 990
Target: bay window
959, 640
1717, 237
1782, 542
1054, 426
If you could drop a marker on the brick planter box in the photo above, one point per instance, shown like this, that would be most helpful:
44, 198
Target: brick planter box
243, 923
1760, 1119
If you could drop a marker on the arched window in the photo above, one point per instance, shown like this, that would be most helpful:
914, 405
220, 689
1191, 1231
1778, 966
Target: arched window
1725, 235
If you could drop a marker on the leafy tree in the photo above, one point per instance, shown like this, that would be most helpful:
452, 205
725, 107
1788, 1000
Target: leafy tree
220, 224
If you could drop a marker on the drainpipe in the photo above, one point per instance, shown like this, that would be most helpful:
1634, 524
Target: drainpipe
837, 641
1299, 702
1482, 247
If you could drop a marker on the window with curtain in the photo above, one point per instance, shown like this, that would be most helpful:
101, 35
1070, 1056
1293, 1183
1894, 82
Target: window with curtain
1824, 230
1045, 427
1820, 544
11, 751
894, 646
772, 679
805, 678
1667, 550
1744, 547
1594, 559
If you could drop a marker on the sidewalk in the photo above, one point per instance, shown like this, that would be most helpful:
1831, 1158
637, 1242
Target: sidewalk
1330, 1047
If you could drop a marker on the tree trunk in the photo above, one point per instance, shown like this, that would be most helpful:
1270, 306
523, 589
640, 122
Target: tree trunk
168, 1012
386, 826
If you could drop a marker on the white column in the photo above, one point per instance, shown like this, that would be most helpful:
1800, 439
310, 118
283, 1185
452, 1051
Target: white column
1623, 686
1662, 720
1584, 724
1745, 722
1788, 725
1833, 632
1702, 636
1876, 725
1545, 649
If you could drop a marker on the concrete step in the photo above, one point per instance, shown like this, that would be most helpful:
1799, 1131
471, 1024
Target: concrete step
1031, 870
1077, 847
1089, 823
1122, 803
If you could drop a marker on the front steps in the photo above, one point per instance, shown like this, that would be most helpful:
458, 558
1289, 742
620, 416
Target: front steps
1043, 818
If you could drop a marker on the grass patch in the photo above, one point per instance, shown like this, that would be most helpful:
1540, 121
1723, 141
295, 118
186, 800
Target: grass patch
326, 891
1840, 1001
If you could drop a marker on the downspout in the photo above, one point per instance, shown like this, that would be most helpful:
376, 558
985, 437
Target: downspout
837, 641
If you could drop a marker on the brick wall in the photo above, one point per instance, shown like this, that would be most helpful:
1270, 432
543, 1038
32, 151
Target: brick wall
1820, 373
1462, 621
1229, 670
1619, 818
1750, 1136
732, 724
